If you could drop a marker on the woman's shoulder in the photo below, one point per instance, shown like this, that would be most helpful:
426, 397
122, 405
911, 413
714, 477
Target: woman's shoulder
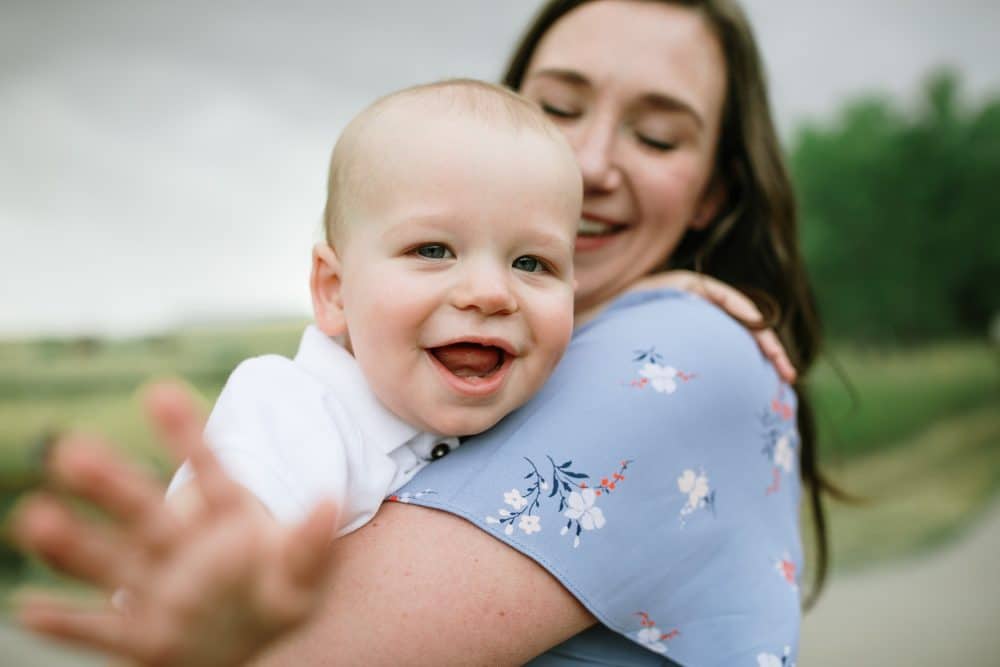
664, 340
686, 321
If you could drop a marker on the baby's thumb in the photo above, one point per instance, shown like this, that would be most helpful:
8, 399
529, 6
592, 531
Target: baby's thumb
308, 551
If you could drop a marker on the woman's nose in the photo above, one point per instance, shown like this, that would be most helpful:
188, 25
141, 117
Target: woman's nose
595, 146
485, 289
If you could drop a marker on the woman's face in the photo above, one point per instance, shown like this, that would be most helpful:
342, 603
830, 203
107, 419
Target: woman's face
638, 88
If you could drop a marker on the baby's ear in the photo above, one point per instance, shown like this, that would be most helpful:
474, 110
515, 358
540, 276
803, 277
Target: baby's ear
324, 283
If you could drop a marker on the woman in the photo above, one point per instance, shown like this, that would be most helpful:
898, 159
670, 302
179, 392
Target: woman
643, 509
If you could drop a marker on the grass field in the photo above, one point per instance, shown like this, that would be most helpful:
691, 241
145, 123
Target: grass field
881, 398
916, 432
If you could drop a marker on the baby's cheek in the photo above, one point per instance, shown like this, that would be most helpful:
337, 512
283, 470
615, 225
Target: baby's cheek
554, 327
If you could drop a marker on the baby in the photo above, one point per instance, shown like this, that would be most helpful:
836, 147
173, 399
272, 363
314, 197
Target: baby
443, 299
447, 276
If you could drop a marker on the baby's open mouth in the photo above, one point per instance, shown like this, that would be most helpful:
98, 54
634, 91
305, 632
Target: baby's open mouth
467, 360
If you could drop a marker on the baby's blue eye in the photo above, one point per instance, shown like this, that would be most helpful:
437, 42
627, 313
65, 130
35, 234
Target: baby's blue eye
529, 264
434, 251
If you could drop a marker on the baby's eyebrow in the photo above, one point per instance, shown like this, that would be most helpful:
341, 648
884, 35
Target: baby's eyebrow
422, 222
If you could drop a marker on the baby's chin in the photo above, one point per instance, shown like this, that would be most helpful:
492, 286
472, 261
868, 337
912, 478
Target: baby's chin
461, 421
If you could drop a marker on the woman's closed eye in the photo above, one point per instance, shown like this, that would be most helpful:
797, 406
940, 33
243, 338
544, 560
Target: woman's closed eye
433, 251
655, 143
558, 111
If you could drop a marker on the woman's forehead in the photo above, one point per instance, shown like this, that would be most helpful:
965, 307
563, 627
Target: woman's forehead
653, 50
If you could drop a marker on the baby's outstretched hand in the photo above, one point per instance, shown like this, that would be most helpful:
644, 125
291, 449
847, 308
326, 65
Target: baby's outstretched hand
212, 584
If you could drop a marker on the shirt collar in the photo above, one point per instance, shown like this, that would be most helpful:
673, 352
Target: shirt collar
335, 367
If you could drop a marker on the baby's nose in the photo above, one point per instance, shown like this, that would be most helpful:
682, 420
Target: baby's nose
487, 291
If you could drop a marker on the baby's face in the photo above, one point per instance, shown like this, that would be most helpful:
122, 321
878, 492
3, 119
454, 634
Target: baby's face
457, 270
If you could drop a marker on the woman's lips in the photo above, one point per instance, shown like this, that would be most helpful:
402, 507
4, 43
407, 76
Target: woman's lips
595, 232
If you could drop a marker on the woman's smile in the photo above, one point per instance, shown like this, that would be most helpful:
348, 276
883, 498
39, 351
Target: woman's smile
595, 232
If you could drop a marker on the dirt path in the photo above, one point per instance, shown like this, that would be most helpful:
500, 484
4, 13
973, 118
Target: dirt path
938, 609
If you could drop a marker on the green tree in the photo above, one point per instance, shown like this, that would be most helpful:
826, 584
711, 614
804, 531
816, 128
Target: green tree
900, 215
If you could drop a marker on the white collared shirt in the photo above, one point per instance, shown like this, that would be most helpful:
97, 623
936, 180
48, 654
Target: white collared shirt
294, 432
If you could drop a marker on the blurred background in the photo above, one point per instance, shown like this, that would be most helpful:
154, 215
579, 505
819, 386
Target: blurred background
162, 175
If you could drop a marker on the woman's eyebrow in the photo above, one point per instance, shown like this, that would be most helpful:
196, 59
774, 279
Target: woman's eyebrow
671, 104
656, 101
572, 77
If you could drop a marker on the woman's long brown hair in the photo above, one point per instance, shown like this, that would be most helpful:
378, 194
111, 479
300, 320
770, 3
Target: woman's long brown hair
753, 244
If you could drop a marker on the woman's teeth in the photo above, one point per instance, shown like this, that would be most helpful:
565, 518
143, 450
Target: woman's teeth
594, 228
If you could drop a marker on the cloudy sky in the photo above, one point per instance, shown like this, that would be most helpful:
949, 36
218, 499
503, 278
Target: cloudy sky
163, 162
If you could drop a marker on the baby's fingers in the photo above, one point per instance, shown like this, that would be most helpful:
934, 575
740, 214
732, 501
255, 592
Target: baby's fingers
100, 629
731, 300
179, 420
308, 546
289, 590
94, 473
742, 308
772, 348
71, 544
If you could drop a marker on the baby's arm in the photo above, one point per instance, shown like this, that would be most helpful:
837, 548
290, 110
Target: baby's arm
209, 578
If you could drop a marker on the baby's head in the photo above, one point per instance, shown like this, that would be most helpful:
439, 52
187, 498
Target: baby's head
450, 222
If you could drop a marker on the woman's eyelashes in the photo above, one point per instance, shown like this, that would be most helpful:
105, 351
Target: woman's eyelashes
558, 111
655, 143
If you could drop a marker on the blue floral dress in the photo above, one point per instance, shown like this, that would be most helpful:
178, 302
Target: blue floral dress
655, 477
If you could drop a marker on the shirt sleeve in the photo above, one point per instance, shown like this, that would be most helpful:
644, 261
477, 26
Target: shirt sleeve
654, 477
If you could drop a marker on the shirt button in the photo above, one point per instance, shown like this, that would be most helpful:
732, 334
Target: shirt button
439, 451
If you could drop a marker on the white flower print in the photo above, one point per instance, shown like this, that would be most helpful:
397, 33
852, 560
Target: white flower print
661, 378
515, 499
768, 660
696, 488
582, 509
523, 508
783, 453
530, 524
771, 660
650, 638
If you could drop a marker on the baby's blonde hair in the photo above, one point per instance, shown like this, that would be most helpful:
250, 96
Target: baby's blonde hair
492, 104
